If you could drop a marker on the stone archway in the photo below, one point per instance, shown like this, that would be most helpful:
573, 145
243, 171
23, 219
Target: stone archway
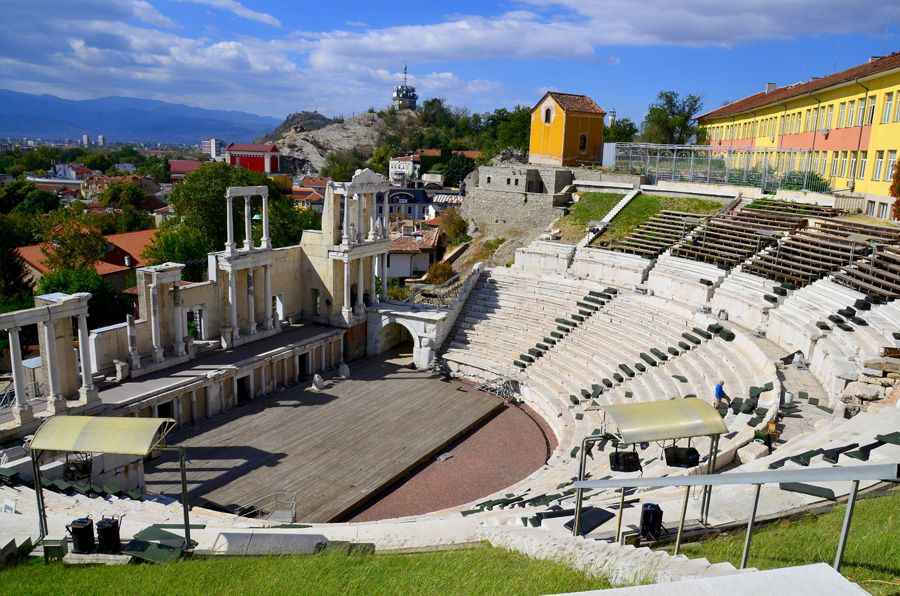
383, 333
397, 336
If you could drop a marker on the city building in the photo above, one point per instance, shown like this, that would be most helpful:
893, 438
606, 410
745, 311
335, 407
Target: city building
85, 140
308, 198
123, 255
843, 128
93, 187
405, 96
179, 168
566, 130
253, 156
127, 168
403, 168
101, 141
413, 250
213, 147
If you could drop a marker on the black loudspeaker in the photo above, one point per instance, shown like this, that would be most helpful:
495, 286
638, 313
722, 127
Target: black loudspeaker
682, 457
624, 461
651, 521
108, 540
82, 531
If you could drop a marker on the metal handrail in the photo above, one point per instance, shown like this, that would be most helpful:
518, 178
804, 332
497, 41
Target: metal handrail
254, 507
8, 397
852, 474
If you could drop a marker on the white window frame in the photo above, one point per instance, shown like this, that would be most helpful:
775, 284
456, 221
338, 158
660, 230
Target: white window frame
889, 165
887, 108
861, 165
879, 163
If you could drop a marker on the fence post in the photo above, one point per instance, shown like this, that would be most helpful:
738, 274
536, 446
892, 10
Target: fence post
684, 504
746, 554
845, 529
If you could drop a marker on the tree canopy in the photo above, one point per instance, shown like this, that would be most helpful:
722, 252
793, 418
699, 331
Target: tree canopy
72, 241
122, 193
341, 165
179, 243
672, 119
622, 130
199, 201
105, 307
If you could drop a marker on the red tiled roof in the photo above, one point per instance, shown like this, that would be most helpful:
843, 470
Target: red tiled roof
416, 244
470, 153
252, 147
315, 181
780, 94
306, 194
406, 158
571, 102
131, 244
184, 166
428, 152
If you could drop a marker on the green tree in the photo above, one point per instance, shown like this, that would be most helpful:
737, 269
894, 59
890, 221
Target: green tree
672, 119
179, 243
105, 307
453, 226
381, 158
155, 167
458, 167
199, 200
72, 241
13, 275
37, 202
14, 193
622, 130
98, 161
121, 194
341, 165
287, 222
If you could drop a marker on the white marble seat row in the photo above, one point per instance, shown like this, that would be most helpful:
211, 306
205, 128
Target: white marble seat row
609, 267
681, 279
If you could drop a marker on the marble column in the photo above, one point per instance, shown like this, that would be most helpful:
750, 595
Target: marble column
199, 323
133, 356
384, 278
359, 217
87, 382
248, 231
232, 304
372, 214
22, 408
267, 283
360, 285
178, 323
194, 413
376, 267
347, 308
229, 244
251, 302
322, 349
345, 233
53, 395
155, 332
266, 241
296, 367
386, 217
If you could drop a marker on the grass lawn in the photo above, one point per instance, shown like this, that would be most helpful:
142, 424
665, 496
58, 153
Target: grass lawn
481, 570
591, 206
872, 558
643, 207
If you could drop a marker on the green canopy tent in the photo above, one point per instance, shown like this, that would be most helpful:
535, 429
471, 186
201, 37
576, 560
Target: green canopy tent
103, 434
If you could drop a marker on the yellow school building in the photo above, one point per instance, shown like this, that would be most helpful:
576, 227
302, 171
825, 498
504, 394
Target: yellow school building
566, 130
843, 127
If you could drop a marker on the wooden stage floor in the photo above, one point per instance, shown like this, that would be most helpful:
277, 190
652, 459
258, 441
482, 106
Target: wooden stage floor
331, 449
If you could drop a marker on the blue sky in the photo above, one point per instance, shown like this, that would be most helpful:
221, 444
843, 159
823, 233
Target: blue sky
343, 56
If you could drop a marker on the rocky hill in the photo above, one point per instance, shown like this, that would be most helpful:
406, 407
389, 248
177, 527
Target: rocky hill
297, 122
308, 148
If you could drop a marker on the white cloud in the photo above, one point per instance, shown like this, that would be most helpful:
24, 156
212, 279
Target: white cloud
145, 11
238, 9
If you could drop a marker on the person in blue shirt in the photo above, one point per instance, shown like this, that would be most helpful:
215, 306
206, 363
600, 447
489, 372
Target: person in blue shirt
721, 395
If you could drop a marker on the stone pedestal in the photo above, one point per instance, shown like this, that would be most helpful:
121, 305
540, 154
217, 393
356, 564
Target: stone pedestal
343, 370
88, 396
22, 414
227, 338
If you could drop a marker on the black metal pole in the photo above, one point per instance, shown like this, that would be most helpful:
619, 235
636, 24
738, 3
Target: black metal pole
184, 501
39, 494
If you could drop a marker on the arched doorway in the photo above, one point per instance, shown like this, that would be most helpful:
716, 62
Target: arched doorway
397, 339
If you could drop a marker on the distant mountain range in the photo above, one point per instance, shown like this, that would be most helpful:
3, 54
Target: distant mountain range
124, 119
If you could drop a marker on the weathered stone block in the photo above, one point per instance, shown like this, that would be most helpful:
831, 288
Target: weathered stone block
752, 451
862, 391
